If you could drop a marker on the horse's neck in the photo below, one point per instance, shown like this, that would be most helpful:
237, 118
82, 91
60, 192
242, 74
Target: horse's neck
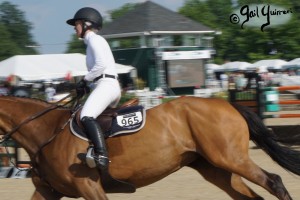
33, 134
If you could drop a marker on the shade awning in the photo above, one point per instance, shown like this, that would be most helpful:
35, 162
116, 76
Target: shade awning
49, 66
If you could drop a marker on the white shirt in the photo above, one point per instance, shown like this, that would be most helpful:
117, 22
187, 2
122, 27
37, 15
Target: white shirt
99, 58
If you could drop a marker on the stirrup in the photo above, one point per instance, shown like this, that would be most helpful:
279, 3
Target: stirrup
92, 160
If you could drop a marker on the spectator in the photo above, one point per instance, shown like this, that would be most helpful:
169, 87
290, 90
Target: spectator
50, 92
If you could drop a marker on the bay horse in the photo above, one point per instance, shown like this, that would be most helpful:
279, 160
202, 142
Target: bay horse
209, 135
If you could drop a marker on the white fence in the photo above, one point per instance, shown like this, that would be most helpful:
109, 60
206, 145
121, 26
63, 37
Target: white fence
150, 99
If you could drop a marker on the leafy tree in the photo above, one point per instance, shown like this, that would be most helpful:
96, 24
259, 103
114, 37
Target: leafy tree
248, 44
76, 45
17, 29
114, 14
7, 48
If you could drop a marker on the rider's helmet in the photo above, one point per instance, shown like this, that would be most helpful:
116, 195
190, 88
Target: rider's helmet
87, 14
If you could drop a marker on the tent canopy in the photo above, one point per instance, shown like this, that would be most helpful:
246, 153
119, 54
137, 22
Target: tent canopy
235, 66
48, 66
212, 66
295, 63
270, 64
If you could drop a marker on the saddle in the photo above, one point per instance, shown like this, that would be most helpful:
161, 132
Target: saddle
105, 119
128, 118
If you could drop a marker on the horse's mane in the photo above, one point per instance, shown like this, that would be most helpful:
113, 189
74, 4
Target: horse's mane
29, 99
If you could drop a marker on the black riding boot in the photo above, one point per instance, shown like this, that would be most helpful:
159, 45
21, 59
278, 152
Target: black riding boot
95, 134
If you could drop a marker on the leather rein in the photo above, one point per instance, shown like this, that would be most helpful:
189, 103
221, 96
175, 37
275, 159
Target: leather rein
8, 135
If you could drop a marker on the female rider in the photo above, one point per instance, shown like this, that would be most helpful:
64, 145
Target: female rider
101, 70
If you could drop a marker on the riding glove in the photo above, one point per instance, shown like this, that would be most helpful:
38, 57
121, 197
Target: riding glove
82, 88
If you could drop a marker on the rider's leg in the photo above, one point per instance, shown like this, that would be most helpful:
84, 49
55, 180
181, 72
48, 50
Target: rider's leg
107, 93
95, 134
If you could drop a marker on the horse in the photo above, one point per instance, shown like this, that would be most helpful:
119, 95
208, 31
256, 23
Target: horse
209, 135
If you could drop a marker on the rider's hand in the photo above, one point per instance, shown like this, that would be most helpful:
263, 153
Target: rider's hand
82, 88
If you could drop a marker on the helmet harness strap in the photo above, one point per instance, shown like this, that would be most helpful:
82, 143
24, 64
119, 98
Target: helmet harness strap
85, 27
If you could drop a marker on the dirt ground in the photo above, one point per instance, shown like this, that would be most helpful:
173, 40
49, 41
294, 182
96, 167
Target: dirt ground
185, 184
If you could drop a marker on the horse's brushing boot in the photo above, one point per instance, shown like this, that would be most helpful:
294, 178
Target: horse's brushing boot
95, 134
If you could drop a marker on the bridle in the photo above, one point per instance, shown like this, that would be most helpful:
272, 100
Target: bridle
34, 164
57, 104
9, 134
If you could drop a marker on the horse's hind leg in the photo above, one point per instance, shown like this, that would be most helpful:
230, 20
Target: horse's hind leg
240, 163
231, 183
270, 182
275, 183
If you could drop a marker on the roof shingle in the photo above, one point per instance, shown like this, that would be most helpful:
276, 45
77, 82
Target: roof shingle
149, 17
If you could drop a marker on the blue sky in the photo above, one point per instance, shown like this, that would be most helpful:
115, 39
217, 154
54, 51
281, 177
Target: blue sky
49, 16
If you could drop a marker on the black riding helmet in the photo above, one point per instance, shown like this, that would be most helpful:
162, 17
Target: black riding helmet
89, 15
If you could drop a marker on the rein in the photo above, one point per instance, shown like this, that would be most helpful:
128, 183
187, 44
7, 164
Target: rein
8, 135
35, 116
34, 164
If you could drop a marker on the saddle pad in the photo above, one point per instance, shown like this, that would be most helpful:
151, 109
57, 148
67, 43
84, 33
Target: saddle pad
127, 121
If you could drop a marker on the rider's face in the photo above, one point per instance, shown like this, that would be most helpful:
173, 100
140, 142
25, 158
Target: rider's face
78, 28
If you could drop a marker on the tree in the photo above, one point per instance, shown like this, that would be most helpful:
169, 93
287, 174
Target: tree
76, 45
114, 14
250, 43
15, 32
7, 48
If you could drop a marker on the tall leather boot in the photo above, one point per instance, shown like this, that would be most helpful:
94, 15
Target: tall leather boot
95, 134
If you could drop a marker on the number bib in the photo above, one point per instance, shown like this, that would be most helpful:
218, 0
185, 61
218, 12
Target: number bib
130, 119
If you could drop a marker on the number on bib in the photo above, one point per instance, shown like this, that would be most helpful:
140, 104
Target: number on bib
130, 119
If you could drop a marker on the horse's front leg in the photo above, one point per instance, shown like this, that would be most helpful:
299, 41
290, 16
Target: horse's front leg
90, 189
87, 188
43, 191
41, 194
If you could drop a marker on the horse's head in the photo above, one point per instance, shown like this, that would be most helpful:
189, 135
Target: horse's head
6, 114
24, 120
4, 126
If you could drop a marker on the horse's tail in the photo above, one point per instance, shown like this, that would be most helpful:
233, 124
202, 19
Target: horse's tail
293, 132
266, 140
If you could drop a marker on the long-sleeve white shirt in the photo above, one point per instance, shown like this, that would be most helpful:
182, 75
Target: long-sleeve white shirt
99, 58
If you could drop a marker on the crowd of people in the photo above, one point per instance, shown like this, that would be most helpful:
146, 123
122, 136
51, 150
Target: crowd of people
248, 79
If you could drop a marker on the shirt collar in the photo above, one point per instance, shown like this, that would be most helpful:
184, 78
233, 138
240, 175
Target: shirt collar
88, 35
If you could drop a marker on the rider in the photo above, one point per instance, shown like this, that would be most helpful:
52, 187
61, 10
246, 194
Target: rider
101, 66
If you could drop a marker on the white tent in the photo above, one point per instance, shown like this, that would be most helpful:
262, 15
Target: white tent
270, 64
235, 66
211, 68
48, 66
293, 63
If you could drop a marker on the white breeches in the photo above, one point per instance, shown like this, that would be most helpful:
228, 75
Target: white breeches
106, 94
